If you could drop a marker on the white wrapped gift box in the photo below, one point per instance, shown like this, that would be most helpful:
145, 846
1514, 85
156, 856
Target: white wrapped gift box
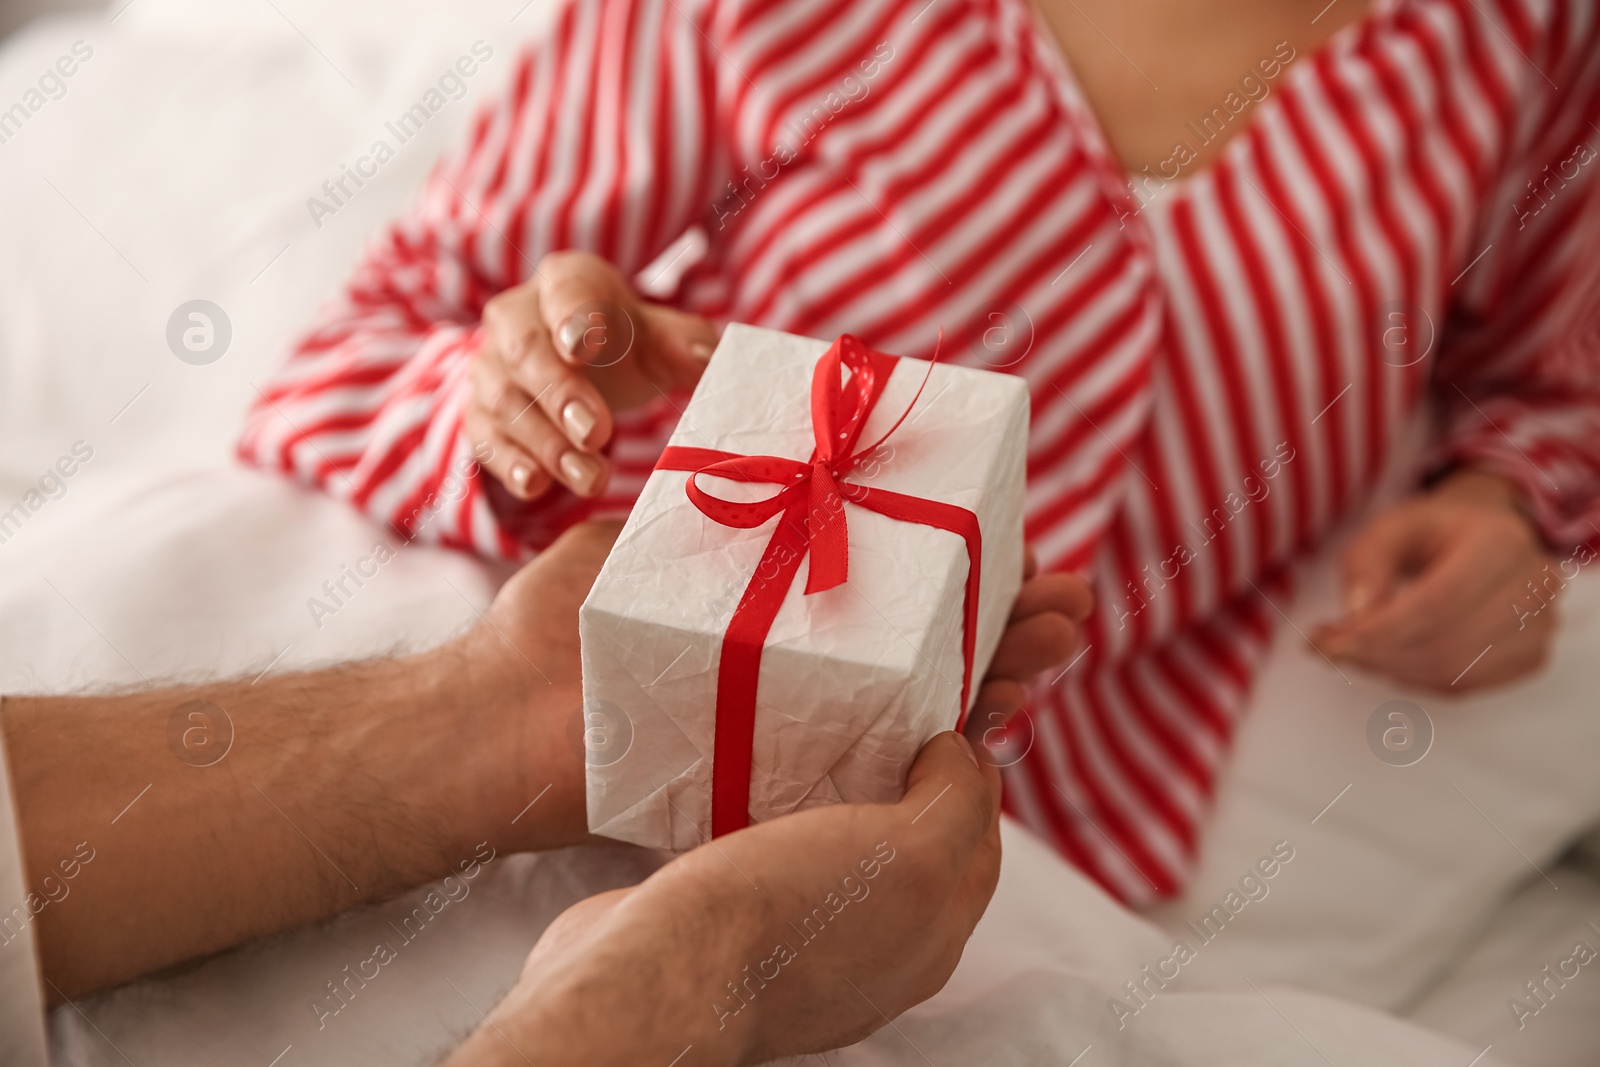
853, 680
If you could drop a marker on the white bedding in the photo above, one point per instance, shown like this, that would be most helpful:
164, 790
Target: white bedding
177, 165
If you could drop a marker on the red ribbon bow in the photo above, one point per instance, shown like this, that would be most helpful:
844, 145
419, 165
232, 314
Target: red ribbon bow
811, 503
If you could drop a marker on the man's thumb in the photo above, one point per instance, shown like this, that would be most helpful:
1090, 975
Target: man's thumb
947, 775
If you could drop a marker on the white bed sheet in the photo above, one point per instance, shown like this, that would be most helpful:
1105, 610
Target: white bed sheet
1400, 870
208, 572
177, 166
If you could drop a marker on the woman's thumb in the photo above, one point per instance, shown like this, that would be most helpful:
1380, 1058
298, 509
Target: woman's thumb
1377, 558
680, 346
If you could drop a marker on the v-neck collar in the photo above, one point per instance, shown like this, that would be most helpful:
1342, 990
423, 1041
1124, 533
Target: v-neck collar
1075, 104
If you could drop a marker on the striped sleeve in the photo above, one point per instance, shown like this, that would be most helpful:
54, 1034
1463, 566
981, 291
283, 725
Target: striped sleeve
602, 141
1519, 373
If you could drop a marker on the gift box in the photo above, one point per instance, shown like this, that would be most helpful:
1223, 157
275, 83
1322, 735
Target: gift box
811, 585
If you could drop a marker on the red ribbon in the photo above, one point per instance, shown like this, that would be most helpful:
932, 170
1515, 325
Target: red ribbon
811, 506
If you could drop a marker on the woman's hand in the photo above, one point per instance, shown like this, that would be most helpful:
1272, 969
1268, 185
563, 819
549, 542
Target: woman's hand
793, 936
1440, 580
561, 353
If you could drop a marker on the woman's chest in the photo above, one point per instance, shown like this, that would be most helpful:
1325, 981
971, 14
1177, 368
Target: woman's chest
960, 179
1152, 70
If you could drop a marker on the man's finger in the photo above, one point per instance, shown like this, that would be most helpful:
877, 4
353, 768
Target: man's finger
598, 534
1057, 591
999, 701
1034, 644
586, 545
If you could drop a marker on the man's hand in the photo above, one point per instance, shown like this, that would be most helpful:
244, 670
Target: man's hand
794, 936
646, 971
1045, 629
527, 644
522, 662
1439, 580
454, 745
561, 353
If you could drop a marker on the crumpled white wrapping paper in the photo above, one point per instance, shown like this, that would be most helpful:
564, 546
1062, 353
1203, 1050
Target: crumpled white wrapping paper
853, 680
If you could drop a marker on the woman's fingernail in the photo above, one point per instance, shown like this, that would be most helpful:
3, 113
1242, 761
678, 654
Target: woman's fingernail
581, 472
700, 350
579, 420
570, 335
519, 476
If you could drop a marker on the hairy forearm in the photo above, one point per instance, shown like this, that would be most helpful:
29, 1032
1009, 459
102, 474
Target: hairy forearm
318, 791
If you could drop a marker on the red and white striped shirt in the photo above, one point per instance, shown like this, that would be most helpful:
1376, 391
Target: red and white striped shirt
1219, 366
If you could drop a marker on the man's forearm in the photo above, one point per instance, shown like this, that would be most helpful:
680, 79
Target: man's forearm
318, 791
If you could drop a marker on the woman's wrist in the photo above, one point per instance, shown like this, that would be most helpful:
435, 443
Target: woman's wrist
1482, 486
1486, 488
